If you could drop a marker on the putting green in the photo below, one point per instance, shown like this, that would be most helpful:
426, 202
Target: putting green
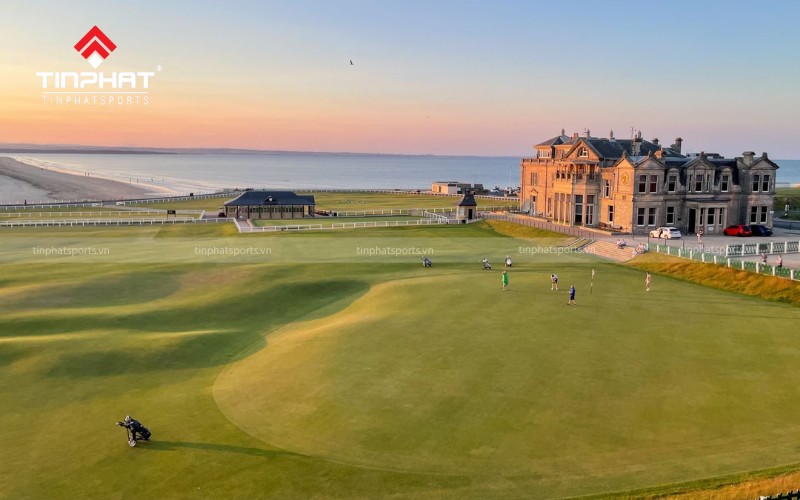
451, 375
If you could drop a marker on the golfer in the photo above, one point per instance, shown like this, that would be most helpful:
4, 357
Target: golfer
505, 280
647, 280
553, 282
572, 295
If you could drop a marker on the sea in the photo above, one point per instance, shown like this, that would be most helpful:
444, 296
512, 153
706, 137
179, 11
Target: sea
199, 173
184, 173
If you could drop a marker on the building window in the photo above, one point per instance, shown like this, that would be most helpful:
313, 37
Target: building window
698, 183
651, 216
653, 183
670, 216
710, 216
534, 178
672, 183
763, 217
589, 220
720, 216
610, 214
642, 184
544, 154
583, 153
709, 184
756, 179
606, 188
723, 185
765, 183
753, 215
578, 218
640, 216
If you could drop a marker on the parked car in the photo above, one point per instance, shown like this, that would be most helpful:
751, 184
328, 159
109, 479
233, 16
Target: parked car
668, 233
737, 230
760, 230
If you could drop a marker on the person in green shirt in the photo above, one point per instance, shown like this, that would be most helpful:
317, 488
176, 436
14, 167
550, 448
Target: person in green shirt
505, 280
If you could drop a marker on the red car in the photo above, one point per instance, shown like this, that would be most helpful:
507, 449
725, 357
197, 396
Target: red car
738, 230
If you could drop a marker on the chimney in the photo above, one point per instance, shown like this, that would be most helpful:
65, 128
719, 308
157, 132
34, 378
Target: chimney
563, 134
611, 135
748, 157
588, 134
677, 145
636, 144
764, 155
655, 141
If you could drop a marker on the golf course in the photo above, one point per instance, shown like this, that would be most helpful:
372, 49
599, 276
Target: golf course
333, 365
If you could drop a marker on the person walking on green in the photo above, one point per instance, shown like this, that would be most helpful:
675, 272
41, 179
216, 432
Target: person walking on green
505, 280
572, 296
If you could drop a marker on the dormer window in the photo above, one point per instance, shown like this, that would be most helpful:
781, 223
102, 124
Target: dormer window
583, 153
724, 184
544, 153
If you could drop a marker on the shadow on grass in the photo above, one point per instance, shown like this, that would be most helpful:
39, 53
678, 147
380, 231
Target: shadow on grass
242, 321
223, 448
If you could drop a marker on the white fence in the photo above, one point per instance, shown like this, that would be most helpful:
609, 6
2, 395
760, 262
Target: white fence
410, 211
767, 247
99, 213
246, 228
720, 260
106, 222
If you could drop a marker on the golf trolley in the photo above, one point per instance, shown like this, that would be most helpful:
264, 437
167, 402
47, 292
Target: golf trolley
134, 427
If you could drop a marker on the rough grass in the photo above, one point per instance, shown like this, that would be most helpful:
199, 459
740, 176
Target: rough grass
723, 278
522, 232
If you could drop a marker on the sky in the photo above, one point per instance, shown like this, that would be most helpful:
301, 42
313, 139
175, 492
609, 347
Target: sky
427, 77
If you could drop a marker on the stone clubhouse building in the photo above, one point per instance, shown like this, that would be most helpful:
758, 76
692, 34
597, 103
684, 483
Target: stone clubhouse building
634, 185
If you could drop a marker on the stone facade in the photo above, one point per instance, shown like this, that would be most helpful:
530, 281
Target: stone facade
634, 185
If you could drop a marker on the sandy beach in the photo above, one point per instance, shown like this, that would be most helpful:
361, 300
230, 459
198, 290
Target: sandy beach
21, 183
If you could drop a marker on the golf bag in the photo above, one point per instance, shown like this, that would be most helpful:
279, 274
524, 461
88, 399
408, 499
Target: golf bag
426, 262
136, 431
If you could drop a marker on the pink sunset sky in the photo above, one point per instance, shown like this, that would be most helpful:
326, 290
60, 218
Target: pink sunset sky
463, 78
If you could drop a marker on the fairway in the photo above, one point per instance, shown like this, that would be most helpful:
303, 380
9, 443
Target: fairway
318, 372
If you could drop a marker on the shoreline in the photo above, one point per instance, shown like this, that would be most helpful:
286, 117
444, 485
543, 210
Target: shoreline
24, 183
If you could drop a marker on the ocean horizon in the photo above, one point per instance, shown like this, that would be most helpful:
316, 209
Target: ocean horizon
183, 172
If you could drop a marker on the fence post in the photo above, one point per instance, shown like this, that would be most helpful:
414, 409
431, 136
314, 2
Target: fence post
742, 265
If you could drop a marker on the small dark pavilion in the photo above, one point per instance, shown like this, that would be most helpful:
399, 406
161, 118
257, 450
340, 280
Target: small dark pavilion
467, 208
270, 205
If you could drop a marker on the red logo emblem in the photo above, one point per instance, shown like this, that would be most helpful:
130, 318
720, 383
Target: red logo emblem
95, 46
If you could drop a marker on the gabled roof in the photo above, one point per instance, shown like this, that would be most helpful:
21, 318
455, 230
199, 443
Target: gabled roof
468, 201
559, 139
270, 198
612, 149
763, 158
